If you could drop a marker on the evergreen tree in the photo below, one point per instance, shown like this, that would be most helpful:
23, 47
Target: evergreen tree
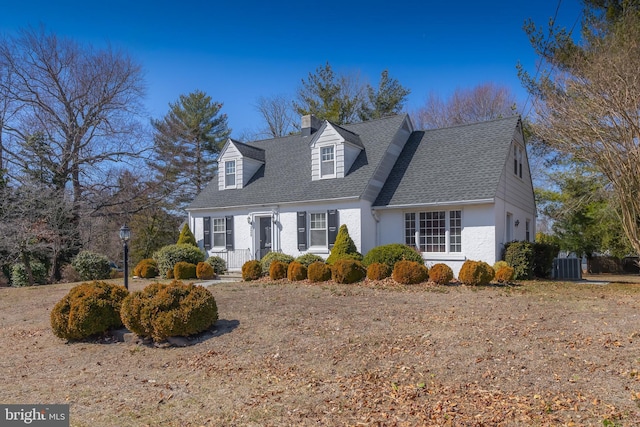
344, 247
187, 142
387, 99
186, 237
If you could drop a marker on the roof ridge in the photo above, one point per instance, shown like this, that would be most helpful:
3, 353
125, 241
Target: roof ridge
475, 123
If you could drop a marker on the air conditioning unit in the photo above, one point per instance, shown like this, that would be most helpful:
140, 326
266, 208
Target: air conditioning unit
567, 268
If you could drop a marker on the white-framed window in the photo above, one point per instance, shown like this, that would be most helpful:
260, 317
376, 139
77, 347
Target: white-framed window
509, 225
527, 230
230, 173
434, 231
318, 229
219, 232
327, 161
517, 160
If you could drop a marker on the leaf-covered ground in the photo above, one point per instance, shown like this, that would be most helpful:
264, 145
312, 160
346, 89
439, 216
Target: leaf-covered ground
542, 354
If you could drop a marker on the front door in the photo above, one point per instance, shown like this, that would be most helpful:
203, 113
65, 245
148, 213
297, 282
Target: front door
265, 236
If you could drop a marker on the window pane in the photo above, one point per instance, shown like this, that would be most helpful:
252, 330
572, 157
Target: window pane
230, 173
327, 164
219, 232
410, 229
455, 231
318, 229
432, 231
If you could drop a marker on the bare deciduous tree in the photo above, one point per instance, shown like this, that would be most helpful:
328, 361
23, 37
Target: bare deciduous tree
484, 102
588, 107
277, 114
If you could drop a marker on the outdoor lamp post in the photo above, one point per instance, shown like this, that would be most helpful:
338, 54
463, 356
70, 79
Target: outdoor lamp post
125, 235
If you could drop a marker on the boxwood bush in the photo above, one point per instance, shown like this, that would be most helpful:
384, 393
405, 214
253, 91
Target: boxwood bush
476, 273
296, 272
319, 271
378, 271
184, 270
167, 256
278, 270
251, 270
392, 253
346, 270
441, 274
92, 266
410, 272
167, 310
204, 271
266, 260
88, 309
219, 265
147, 269
308, 259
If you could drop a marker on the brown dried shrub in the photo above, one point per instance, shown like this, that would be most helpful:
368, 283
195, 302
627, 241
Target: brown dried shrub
318, 271
378, 271
296, 272
409, 272
441, 274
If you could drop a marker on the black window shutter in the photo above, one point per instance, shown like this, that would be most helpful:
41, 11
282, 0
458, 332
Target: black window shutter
302, 231
229, 228
332, 222
206, 226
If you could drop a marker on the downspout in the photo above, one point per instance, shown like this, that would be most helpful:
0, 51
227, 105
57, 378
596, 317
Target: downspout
376, 218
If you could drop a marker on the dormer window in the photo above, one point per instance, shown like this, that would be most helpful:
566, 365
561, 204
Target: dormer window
230, 173
328, 162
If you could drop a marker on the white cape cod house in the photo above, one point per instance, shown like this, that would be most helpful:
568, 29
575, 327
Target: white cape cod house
456, 193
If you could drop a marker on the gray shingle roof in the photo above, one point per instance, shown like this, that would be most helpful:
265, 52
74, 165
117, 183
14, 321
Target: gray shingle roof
461, 163
349, 136
286, 174
249, 151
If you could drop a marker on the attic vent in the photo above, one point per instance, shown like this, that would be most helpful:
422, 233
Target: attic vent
310, 124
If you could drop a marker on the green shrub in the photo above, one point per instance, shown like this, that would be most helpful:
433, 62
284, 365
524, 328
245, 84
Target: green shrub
19, 274
476, 273
167, 310
91, 266
184, 270
346, 270
504, 274
441, 274
308, 259
410, 272
266, 260
219, 265
378, 271
543, 256
277, 270
392, 253
319, 271
147, 269
204, 271
88, 309
344, 247
520, 256
186, 237
296, 272
499, 264
167, 256
251, 270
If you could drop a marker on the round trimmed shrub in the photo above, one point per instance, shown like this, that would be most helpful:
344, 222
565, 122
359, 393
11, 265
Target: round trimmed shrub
308, 259
319, 271
88, 309
147, 269
168, 310
219, 265
266, 260
167, 256
441, 274
184, 270
499, 264
91, 266
278, 270
391, 254
19, 276
204, 271
346, 270
504, 274
410, 272
475, 273
378, 271
296, 272
251, 270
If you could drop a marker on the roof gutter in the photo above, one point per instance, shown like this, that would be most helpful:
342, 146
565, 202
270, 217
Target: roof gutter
298, 202
437, 204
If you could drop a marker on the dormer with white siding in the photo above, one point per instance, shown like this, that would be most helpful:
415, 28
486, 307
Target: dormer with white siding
333, 151
237, 164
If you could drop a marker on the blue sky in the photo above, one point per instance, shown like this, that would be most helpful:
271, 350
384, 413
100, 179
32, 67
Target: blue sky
237, 51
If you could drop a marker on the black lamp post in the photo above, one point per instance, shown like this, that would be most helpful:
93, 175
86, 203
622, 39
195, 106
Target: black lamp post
125, 235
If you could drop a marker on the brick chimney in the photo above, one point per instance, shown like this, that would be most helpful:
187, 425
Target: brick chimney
310, 124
